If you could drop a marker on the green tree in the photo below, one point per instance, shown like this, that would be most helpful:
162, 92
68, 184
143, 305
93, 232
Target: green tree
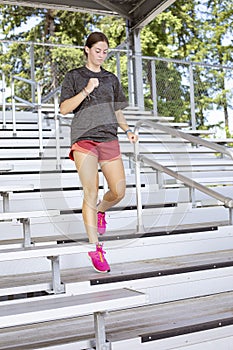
53, 27
218, 31
171, 35
194, 31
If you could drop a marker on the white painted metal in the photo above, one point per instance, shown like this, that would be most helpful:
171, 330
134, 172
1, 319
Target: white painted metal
74, 306
6, 167
6, 190
28, 214
214, 339
43, 251
160, 289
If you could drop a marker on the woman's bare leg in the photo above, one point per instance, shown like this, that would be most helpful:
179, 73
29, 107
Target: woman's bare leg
87, 167
115, 176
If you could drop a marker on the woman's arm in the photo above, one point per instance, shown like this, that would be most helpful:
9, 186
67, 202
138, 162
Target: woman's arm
125, 127
69, 105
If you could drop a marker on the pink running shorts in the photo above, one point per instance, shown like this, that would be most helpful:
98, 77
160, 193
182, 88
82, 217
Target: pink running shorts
104, 151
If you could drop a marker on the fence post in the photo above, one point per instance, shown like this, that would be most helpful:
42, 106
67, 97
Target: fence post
118, 65
57, 130
3, 90
131, 90
192, 98
32, 62
138, 76
39, 111
13, 105
153, 88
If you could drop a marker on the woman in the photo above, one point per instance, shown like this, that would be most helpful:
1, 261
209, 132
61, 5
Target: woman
96, 98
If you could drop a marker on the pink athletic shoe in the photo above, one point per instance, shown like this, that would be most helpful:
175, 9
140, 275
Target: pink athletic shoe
101, 223
98, 260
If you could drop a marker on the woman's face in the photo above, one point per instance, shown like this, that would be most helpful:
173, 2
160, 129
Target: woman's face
97, 53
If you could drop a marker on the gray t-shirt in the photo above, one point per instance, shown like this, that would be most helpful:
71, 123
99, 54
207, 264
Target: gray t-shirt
94, 119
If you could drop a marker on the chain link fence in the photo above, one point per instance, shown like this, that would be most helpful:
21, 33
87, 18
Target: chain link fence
200, 94
195, 92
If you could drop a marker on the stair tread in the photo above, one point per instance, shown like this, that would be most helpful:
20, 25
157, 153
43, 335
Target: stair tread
171, 319
130, 271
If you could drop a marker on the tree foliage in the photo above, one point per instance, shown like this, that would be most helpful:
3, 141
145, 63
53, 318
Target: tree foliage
193, 31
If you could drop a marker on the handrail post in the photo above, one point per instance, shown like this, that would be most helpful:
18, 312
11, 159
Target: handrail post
57, 131
39, 111
140, 227
230, 216
192, 197
3, 90
13, 105
159, 179
193, 185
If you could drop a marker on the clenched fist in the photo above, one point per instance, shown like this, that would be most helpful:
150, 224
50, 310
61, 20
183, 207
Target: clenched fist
92, 84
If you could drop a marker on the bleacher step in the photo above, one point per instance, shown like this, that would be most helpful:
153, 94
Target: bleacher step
152, 275
175, 325
170, 266
54, 308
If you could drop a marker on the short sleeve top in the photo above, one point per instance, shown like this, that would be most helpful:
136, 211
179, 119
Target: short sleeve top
95, 118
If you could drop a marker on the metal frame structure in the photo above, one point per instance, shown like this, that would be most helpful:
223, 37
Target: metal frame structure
227, 202
137, 12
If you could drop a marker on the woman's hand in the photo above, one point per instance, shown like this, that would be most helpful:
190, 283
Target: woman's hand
92, 84
132, 137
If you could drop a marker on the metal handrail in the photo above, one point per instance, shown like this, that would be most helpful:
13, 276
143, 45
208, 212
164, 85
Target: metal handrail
54, 93
51, 94
25, 102
29, 81
177, 133
193, 185
37, 105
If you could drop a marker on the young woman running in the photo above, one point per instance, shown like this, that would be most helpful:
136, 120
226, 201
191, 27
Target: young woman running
96, 98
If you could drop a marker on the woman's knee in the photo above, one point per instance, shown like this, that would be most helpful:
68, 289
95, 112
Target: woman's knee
90, 195
119, 192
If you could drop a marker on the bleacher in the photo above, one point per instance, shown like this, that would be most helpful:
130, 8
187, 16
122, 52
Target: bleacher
170, 285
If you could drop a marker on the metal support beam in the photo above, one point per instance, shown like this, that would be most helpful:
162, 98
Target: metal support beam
58, 287
159, 179
192, 197
5, 201
100, 334
230, 216
26, 232
137, 70
131, 89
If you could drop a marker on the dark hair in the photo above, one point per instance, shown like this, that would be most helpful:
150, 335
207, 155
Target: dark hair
94, 38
